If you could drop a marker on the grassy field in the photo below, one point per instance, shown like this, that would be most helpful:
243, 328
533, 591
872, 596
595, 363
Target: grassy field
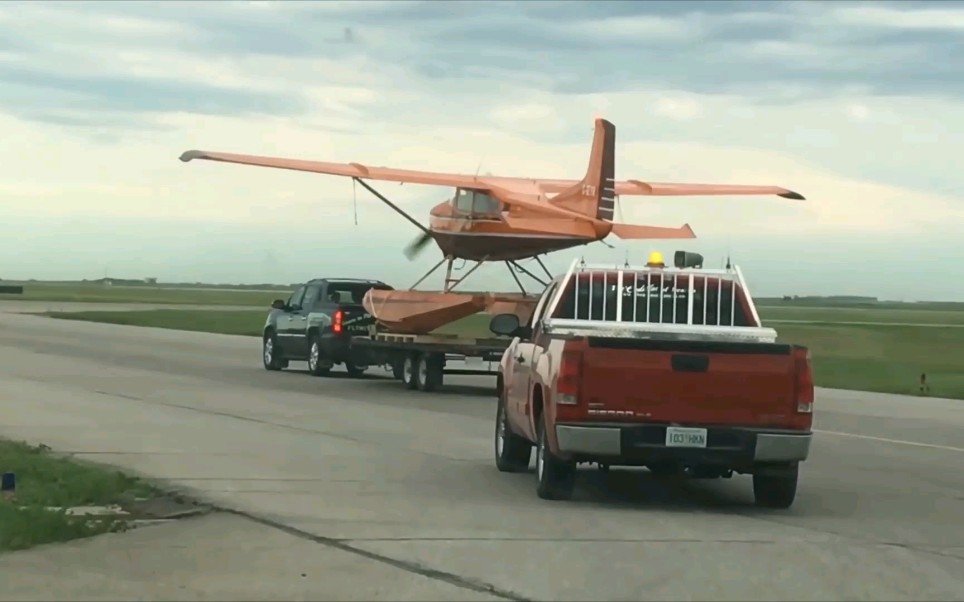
880, 356
45, 483
95, 293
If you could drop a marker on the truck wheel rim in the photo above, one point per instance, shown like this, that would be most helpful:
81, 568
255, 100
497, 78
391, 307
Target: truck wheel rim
313, 357
268, 351
500, 433
422, 372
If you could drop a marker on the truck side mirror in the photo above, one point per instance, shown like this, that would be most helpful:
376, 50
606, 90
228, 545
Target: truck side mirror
506, 325
278, 304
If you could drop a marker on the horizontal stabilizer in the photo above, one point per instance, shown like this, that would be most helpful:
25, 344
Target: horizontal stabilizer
637, 187
558, 227
634, 232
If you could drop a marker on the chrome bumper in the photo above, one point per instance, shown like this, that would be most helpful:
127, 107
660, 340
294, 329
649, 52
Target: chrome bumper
748, 443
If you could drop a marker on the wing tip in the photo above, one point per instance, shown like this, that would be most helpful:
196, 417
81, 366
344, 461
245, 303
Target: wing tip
794, 196
689, 230
187, 156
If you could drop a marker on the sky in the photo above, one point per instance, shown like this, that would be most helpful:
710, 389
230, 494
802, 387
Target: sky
858, 106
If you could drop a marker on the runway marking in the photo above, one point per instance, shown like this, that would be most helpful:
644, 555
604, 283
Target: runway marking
886, 440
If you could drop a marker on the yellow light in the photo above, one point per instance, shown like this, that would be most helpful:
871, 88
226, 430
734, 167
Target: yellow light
655, 258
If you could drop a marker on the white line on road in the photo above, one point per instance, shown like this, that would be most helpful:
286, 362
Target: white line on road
885, 440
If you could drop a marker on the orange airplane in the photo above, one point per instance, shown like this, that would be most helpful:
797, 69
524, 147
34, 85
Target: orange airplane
492, 218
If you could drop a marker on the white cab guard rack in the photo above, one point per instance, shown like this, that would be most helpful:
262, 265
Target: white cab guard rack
655, 303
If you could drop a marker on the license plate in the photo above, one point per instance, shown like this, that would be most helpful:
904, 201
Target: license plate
685, 437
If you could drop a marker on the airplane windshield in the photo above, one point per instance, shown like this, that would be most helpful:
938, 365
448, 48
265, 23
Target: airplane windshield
475, 202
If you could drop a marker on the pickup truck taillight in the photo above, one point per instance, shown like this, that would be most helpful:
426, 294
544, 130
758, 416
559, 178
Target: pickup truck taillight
804, 380
336, 321
570, 378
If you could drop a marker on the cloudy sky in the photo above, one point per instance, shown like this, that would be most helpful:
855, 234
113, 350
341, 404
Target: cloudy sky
856, 105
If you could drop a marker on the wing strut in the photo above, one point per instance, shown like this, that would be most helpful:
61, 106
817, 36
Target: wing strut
397, 209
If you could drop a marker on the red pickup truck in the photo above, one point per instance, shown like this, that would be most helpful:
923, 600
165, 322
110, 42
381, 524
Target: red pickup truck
663, 367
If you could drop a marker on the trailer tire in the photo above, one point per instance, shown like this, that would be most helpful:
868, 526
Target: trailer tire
410, 369
431, 371
556, 477
398, 368
355, 370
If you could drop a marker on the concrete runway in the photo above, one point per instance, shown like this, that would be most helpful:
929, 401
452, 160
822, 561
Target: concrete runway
405, 480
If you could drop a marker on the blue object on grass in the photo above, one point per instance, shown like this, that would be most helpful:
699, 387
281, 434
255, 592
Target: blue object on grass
8, 483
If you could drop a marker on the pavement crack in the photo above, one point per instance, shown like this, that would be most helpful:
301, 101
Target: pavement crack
563, 540
405, 565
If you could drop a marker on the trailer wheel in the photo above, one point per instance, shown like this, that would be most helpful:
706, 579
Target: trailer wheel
410, 369
398, 368
430, 372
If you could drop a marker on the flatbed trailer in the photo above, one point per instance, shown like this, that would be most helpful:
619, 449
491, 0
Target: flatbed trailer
420, 360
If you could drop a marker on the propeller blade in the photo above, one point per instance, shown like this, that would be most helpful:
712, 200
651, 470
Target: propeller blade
415, 247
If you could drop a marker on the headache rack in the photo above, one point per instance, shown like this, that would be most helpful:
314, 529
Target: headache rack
655, 303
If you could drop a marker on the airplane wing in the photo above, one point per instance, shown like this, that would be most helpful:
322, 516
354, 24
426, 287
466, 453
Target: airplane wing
351, 170
431, 178
640, 188
635, 232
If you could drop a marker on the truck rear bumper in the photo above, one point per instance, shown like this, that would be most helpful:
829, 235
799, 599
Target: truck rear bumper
647, 443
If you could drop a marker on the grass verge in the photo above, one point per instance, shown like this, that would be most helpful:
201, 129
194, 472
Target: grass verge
47, 485
159, 295
884, 358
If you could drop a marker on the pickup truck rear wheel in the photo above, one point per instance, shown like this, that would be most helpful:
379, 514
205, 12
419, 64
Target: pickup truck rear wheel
318, 365
776, 490
557, 478
512, 452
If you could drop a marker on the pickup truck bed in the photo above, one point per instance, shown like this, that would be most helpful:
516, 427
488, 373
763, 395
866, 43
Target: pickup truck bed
679, 377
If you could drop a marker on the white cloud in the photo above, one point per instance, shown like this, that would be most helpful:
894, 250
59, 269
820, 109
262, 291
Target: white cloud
951, 19
681, 108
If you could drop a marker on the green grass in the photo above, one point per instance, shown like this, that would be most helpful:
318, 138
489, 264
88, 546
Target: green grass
884, 358
161, 295
842, 314
48, 481
242, 322
887, 359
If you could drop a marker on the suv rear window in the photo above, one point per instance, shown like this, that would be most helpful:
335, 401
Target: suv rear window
352, 292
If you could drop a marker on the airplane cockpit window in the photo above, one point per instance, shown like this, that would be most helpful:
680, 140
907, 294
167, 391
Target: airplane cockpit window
484, 203
463, 200
475, 202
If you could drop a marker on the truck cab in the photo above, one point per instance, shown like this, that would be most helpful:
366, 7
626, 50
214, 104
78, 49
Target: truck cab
316, 323
663, 367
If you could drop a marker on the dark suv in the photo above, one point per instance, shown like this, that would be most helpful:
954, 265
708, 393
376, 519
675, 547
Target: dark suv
316, 324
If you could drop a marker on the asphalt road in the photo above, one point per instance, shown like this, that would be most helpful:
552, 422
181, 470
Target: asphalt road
407, 480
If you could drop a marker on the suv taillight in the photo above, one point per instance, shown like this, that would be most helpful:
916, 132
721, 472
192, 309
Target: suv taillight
570, 377
336, 321
804, 380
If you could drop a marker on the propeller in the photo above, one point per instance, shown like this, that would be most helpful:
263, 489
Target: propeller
415, 247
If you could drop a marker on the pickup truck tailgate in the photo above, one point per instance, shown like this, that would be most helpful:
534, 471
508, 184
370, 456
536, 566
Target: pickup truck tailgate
689, 382
355, 320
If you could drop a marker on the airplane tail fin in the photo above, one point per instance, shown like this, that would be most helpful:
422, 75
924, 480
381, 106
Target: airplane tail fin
595, 195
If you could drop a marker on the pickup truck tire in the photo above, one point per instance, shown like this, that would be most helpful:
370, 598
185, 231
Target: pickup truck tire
317, 365
269, 352
776, 490
512, 452
557, 478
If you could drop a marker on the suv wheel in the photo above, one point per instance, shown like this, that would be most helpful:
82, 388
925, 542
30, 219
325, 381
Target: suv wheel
270, 354
317, 364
